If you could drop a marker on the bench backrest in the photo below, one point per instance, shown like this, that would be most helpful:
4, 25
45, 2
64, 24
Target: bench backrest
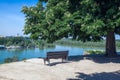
57, 54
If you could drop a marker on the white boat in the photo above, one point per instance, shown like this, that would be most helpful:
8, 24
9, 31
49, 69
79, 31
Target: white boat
2, 47
13, 47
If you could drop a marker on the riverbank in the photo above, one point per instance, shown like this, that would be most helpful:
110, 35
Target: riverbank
77, 68
89, 44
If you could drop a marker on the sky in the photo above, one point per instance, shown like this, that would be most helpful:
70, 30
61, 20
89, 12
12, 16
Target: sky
11, 17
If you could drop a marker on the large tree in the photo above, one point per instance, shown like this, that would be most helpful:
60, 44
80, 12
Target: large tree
80, 19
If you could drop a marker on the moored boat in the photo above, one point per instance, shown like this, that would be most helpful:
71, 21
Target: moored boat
2, 47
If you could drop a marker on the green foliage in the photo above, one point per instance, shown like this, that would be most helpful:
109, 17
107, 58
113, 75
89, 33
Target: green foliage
13, 59
82, 19
50, 25
2, 40
94, 52
89, 44
17, 41
8, 60
118, 43
85, 20
43, 44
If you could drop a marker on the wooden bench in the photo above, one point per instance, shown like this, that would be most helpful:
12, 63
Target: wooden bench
56, 55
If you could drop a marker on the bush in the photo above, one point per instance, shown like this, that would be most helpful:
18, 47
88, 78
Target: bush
93, 52
13, 59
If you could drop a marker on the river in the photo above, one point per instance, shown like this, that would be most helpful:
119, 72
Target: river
21, 54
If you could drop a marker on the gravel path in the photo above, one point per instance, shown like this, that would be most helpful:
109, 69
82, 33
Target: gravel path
77, 68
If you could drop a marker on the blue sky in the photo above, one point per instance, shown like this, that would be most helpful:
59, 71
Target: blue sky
11, 17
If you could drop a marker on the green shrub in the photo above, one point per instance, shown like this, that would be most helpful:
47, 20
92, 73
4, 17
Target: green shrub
13, 59
92, 52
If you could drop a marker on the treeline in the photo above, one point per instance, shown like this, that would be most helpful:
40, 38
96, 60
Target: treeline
43, 44
85, 44
17, 41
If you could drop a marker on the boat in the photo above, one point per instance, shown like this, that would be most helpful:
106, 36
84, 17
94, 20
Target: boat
2, 47
14, 47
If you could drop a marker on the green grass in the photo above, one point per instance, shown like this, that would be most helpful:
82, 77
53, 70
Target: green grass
94, 52
81, 44
90, 44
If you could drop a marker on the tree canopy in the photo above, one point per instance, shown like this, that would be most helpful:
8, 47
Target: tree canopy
80, 19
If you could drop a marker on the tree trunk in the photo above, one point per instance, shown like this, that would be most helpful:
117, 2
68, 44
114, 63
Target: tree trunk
110, 44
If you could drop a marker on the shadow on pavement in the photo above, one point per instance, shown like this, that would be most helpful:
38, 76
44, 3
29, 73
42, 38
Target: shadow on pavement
98, 76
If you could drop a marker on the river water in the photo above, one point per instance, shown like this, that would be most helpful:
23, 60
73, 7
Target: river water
21, 54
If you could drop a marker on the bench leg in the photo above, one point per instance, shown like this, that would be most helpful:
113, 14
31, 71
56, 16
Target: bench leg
66, 58
62, 60
44, 61
48, 61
